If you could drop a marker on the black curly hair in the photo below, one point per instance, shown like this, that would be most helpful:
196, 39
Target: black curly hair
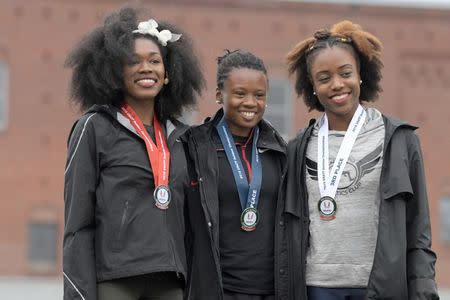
98, 61
365, 47
235, 60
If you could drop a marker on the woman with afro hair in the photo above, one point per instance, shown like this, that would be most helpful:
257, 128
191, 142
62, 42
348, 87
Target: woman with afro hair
126, 172
355, 185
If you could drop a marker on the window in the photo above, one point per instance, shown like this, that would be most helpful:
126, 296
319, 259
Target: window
445, 220
42, 246
4, 84
279, 106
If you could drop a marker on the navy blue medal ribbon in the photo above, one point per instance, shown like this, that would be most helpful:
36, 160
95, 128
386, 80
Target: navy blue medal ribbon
248, 193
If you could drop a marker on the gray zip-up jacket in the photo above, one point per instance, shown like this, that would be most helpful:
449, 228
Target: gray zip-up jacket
112, 227
404, 264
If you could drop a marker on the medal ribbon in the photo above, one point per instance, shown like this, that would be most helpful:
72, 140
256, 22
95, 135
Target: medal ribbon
158, 155
329, 181
248, 193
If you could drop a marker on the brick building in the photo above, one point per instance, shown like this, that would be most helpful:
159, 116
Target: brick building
35, 116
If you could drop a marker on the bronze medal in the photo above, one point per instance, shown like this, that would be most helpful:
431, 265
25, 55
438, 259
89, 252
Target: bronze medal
162, 197
249, 219
327, 208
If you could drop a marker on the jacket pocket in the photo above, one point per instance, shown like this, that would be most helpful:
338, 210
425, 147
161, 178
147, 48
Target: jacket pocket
118, 241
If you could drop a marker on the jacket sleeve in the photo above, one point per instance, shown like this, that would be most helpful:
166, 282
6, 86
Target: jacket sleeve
420, 258
80, 180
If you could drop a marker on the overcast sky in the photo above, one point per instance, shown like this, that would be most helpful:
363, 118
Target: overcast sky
400, 3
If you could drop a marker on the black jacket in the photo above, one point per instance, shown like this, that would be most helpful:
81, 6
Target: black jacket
112, 227
204, 274
403, 266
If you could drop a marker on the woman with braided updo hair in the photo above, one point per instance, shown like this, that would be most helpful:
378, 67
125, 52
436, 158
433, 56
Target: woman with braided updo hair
125, 174
355, 190
236, 161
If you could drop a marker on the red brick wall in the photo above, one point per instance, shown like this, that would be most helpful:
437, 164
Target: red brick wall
35, 37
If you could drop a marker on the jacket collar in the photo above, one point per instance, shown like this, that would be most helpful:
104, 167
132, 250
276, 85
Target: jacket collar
269, 138
391, 124
395, 179
296, 162
172, 129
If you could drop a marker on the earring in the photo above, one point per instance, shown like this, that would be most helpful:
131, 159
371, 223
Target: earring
314, 93
266, 105
360, 82
166, 81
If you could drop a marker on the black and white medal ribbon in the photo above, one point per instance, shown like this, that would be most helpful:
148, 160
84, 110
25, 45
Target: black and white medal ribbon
329, 181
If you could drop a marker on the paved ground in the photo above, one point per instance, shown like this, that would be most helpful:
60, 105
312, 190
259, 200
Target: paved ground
51, 289
444, 294
31, 288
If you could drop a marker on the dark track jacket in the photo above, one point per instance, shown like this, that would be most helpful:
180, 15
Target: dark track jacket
403, 266
202, 225
112, 227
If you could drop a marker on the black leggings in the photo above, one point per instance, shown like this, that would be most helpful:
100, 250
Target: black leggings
155, 286
228, 295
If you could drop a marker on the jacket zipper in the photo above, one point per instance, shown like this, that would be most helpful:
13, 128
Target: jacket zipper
171, 139
278, 232
387, 141
170, 244
304, 220
208, 222
291, 262
215, 252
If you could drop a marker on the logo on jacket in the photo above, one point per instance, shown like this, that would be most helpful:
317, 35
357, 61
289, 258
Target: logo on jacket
353, 171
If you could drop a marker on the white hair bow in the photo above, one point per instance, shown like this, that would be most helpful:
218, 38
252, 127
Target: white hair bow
163, 36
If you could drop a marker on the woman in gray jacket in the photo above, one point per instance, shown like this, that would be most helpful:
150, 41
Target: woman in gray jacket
355, 185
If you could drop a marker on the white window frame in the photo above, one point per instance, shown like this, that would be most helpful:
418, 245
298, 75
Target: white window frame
444, 209
4, 95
